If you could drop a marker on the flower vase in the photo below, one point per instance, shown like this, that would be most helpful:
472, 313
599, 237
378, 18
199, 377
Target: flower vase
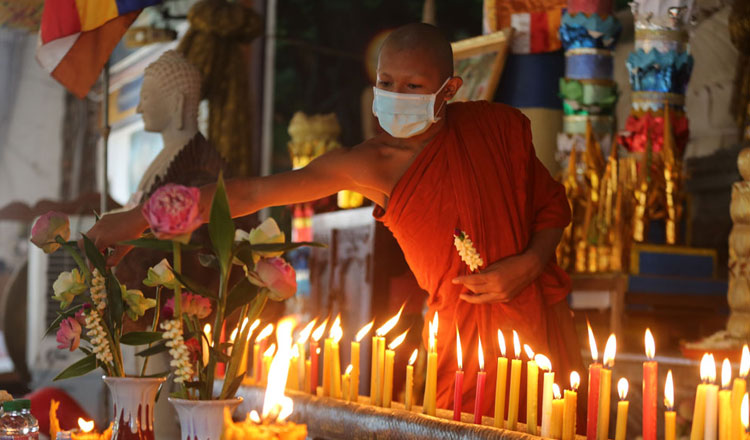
202, 419
133, 399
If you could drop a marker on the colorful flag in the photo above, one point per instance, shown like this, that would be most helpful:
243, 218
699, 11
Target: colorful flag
535, 23
77, 36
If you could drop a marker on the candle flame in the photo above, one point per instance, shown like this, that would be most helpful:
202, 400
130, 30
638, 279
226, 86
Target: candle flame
575, 380
592, 343
609, 351
435, 322
622, 388
254, 417
501, 341
669, 392
529, 352
348, 370
481, 355
244, 324
396, 342
708, 368
650, 344
295, 352
388, 326
516, 344
317, 350
745, 409
207, 332
364, 330
254, 326
233, 336
85, 425
413, 357
543, 362
270, 351
318, 333
304, 335
266, 332
726, 373
459, 354
274, 399
336, 333
745, 362
433, 325
556, 391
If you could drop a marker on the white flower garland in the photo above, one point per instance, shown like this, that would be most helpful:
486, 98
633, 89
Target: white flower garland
178, 350
466, 250
98, 290
98, 337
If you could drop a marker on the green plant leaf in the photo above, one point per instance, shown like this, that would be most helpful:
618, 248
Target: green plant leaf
83, 366
92, 253
158, 245
228, 392
115, 305
219, 354
140, 338
221, 226
60, 316
194, 286
242, 293
157, 347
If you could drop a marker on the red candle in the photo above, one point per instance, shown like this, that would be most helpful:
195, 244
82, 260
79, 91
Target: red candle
481, 377
314, 352
595, 370
458, 389
650, 380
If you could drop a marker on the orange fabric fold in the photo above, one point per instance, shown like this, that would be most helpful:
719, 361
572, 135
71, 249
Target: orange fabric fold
480, 174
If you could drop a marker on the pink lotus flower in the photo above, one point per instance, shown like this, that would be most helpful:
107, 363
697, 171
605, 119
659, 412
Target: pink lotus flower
277, 276
173, 212
69, 334
192, 305
47, 228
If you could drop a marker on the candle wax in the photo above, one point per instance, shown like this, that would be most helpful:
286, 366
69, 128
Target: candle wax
345, 384
354, 385
308, 369
725, 414
292, 376
313, 367
374, 370
266, 368
430, 390
458, 392
327, 362
547, 399
556, 418
532, 393
670, 425
569, 415
381, 372
712, 406
739, 387
479, 398
335, 371
605, 388
592, 413
515, 389
408, 393
650, 383
301, 372
699, 413
501, 385
622, 420
388, 378
257, 363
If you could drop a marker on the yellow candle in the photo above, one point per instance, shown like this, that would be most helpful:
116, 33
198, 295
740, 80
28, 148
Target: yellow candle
381, 333
430, 390
670, 416
547, 394
257, 360
390, 354
557, 409
267, 358
327, 367
205, 341
739, 386
242, 367
515, 385
374, 369
336, 334
354, 388
532, 393
501, 383
308, 368
725, 401
346, 380
605, 388
409, 390
622, 410
292, 382
699, 410
570, 408
304, 336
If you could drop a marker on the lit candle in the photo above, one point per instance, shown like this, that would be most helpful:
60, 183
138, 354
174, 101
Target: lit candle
650, 384
408, 393
308, 368
232, 338
314, 356
267, 359
739, 386
205, 343
378, 342
86, 431
594, 379
304, 335
712, 403
242, 368
622, 410
458, 386
605, 388
336, 334
547, 394
430, 388
670, 416
390, 355
258, 348
292, 382
558, 407
346, 380
745, 413
515, 384
699, 410
532, 391
501, 383
725, 401
570, 408
481, 379
354, 388
327, 366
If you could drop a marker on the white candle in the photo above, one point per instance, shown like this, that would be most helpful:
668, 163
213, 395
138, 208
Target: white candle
712, 404
547, 395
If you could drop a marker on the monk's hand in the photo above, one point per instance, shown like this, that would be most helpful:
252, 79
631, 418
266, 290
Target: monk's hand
112, 229
501, 281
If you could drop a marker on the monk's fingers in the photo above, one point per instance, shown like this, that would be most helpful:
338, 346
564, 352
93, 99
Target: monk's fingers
482, 298
475, 280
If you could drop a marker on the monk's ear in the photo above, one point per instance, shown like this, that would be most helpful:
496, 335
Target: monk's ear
452, 87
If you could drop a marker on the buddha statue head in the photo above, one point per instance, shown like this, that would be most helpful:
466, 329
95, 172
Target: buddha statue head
170, 95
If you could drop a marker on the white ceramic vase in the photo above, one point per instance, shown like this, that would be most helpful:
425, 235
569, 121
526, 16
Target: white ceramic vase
202, 419
133, 399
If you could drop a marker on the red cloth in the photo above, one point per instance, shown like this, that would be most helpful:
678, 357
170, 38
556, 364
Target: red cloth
480, 174
68, 412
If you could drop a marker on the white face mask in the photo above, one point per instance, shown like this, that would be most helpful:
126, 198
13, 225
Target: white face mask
404, 115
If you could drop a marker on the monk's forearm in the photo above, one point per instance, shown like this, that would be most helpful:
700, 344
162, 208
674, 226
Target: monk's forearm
541, 249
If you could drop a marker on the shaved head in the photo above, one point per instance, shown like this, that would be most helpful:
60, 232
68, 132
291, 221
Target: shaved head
425, 40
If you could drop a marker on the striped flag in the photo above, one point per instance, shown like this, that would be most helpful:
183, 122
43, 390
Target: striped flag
77, 36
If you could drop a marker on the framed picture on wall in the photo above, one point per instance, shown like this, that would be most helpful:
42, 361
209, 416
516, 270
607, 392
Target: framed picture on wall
479, 61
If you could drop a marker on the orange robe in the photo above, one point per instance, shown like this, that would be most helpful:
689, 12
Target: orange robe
480, 174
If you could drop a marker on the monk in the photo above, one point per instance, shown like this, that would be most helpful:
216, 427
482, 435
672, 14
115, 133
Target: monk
440, 167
